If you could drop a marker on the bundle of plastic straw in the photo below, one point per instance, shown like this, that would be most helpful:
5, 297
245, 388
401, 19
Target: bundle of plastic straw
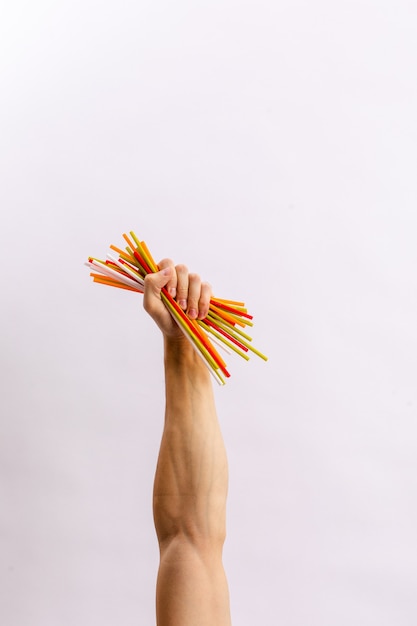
223, 324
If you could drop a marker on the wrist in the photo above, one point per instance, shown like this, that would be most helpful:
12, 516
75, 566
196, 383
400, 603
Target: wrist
178, 348
181, 356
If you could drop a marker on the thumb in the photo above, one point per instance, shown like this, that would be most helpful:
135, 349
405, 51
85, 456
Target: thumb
155, 282
159, 279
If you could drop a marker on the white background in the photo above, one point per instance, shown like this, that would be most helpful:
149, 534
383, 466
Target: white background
271, 146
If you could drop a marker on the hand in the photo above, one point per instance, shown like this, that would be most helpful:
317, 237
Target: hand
192, 295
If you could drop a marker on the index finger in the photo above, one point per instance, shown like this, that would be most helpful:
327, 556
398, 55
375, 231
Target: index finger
171, 285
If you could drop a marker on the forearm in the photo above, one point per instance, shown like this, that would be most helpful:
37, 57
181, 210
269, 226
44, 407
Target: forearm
190, 487
188, 387
192, 467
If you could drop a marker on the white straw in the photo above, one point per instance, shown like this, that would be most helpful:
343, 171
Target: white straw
105, 269
126, 269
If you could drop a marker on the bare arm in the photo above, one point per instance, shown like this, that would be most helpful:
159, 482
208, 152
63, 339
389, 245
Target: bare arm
190, 486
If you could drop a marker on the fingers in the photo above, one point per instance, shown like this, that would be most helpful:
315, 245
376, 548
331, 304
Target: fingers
172, 282
191, 293
182, 285
199, 294
204, 301
194, 290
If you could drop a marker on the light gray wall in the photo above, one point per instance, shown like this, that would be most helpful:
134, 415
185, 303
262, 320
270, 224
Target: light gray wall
271, 146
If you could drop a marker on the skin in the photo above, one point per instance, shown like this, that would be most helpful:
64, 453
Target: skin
190, 488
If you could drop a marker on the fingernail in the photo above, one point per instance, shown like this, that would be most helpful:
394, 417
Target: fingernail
183, 304
166, 271
173, 292
192, 313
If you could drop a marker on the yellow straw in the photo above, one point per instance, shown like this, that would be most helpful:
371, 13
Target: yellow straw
230, 317
191, 335
242, 341
194, 323
231, 302
150, 257
232, 329
143, 252
125, 256
224, 339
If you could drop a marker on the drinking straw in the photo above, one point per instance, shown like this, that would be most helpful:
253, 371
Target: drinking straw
233, 330
229, 336
123, 255
209, 327
239, 310
197, 336
127, 269
223, 324
107, 281
108, 271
